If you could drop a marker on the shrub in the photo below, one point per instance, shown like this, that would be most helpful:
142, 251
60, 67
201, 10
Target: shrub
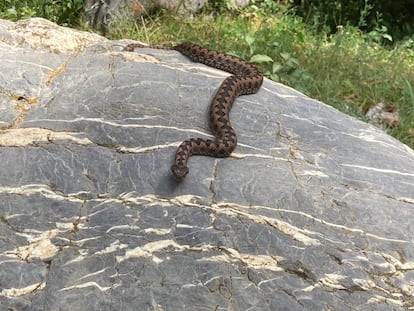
62, 12
396, 16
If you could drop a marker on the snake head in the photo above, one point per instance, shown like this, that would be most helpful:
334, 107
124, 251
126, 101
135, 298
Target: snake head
179, 171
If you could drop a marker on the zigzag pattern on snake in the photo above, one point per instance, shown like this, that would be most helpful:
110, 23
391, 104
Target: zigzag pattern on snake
245, 79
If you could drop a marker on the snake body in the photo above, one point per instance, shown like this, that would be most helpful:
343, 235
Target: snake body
245, 79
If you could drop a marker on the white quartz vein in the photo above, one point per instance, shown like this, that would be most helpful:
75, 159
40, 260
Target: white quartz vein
288, 229
406, 200
258, 262
123, 125
111, 248
238, 155
147, 149
380, 299
121, 227
148, 249
379, 170
44, 190
28, 136
307, 120
278, 94
93, 274
141, 55
87, 284
277, 279
15, 61
77, 259
313, 173
17, 292
333, 280
40, 246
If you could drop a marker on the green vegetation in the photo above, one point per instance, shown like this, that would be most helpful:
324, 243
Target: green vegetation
352, 68
396, 16
62, 12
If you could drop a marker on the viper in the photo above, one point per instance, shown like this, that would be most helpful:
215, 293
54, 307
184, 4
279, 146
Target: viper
245, 79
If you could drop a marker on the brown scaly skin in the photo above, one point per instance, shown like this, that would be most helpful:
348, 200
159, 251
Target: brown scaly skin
246, 79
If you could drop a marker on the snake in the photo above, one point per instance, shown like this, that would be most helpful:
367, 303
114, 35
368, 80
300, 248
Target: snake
245, 79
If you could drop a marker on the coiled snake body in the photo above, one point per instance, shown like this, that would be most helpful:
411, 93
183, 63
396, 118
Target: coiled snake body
245, 79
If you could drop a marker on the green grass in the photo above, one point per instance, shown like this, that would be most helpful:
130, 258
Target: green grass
61, 12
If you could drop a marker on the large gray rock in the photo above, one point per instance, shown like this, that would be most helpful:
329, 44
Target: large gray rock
313, 211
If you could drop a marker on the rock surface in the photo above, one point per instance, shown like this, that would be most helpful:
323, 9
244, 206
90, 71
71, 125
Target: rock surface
313, 211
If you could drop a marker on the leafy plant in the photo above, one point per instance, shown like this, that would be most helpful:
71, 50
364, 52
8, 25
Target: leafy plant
60, 11
367, 15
